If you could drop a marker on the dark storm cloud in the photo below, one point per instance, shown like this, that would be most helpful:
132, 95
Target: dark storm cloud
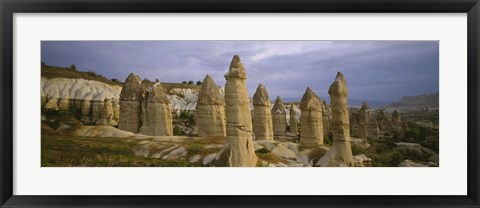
375, 70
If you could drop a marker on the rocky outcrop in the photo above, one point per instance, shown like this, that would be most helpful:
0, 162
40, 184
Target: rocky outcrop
340, 154
311, 119
238, 150
210, 110
131, 98
293, 120
83, 98
279, 117
262, 117
156, 117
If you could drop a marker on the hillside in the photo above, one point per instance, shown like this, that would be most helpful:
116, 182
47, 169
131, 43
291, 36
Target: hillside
50, 72
418, 101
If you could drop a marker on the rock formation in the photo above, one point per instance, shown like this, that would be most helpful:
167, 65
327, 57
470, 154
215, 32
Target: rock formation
131, 98
293, 121
107, 114
340, 154
262, 117
279, 117
311, 119
384, 122
367, 127
363, 121
238, 150
210, 110
326, 118
156, 115
396, 122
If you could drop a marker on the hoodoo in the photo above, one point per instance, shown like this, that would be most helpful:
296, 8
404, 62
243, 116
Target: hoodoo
293, 121
262, 117
210, 110
311, 118
131, 98
340, 154
238, 150
279, 117
156, 112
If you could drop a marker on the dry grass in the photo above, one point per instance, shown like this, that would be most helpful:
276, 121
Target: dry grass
70, 151
64, 72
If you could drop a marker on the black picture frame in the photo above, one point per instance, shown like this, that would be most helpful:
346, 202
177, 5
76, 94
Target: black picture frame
10, 7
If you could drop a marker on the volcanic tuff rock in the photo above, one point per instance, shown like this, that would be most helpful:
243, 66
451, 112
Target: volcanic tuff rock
340, 154
83, 97
262, 117
238, 150
293, 120
367, 127
131, 98
108, 114
210, 110
384, 122
396, 122
279, 117
156, 114
326, 118
311, 119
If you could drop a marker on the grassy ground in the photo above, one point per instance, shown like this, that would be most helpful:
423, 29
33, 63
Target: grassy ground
70, 151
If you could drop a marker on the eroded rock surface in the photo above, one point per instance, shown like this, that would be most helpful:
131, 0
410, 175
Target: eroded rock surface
238, 150
340, 154
311, 119
262, 117
210, 110
131, 98
279, 117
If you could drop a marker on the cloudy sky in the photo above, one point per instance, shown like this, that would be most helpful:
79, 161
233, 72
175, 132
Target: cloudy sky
375, 70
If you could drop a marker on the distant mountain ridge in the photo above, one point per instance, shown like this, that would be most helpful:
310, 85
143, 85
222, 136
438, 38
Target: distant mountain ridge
418, 101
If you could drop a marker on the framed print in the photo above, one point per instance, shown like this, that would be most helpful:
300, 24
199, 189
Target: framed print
246, 104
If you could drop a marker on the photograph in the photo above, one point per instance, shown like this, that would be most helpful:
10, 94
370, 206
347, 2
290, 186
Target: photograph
240, 103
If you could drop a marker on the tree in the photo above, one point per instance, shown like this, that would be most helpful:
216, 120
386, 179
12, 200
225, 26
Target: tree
43, 63
156, 80
199, 82
190, 82
184, 82
73, 67
116, 80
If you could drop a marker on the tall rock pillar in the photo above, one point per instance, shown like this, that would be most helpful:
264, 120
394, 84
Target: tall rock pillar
131, 98
340, 154
262, 117
210, 110
311, 119
293, 120
238, 150
279, 117
156, 112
